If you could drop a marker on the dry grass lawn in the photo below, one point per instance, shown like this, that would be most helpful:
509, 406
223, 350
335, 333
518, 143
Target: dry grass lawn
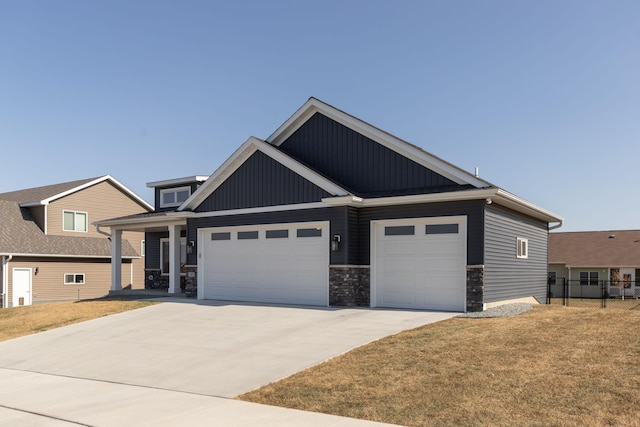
552, 366
18, 321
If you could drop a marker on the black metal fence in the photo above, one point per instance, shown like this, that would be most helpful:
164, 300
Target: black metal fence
594, 293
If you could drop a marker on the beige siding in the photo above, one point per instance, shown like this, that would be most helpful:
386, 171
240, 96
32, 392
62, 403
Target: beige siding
100, 201
48, 284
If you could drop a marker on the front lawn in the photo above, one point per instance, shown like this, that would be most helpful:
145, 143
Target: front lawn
18, 321
552, 366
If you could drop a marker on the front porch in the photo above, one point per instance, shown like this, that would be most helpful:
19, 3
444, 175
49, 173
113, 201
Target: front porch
166, 269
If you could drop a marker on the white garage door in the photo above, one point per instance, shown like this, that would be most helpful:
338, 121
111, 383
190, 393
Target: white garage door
279, 263
420, 263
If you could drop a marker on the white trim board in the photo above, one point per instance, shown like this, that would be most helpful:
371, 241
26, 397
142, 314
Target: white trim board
396, 144
245, 151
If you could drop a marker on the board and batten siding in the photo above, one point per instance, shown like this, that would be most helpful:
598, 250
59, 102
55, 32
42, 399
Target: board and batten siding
506, 276
261, 181
357, 162
335, 215
48, 284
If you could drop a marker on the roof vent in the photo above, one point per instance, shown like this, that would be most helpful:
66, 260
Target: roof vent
612, 236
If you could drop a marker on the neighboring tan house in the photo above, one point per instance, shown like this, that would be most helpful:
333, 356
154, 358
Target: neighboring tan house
588, 262
330, 210
49, 249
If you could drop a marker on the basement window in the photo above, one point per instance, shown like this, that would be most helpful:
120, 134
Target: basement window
74, 278
522, 248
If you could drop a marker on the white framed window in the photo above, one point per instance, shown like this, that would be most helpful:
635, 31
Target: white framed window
522, 248
74, 221
589, 278
164, 254
171, 197
74, 278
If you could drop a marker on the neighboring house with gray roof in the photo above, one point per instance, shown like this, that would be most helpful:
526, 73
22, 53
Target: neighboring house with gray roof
49, 250
590, 261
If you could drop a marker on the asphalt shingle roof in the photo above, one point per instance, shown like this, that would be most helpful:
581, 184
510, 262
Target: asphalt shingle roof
595, 248
31, 195
20, 234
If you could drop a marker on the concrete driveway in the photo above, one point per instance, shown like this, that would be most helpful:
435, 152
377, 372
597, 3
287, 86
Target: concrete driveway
179, 362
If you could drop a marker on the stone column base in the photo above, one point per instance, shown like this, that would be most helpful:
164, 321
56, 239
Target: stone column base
349, 285
475, 288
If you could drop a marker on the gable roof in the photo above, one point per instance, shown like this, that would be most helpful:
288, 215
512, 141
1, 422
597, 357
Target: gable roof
469, 186
48, 193
20, 235
404, 148
236, 160
602, 249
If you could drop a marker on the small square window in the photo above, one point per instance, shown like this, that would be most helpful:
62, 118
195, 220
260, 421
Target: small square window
522, 248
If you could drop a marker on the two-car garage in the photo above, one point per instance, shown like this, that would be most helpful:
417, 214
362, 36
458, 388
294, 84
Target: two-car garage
275, 263
417, 263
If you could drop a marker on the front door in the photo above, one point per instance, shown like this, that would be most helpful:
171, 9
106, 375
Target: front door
628, 282
21, 286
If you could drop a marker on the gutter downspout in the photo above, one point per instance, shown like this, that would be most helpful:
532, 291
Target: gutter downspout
5, 278
102, 232
553, 227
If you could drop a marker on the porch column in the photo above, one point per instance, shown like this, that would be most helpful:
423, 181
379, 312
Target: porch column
174, 259
116, 260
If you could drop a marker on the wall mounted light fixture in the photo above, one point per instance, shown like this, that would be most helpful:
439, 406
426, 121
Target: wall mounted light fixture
335, 242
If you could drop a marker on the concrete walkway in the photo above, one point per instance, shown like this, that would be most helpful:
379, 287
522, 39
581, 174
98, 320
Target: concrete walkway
180, 362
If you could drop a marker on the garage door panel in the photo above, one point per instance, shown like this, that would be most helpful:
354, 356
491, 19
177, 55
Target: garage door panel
289, 269
422, 271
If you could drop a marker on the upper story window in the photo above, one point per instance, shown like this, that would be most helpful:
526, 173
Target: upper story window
74, 221
171, 197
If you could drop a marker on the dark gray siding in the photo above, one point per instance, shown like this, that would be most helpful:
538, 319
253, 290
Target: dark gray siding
152, 249
194, 186
505, 275
359, 163
473, 209
336, 216
261, 181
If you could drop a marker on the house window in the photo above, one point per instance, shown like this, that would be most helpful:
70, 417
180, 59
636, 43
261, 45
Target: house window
172, 197
74, 221
522, 247
589, 278
74, 278
164, 254
552, 278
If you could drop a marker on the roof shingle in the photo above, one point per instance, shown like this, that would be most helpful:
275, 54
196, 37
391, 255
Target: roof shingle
617, 248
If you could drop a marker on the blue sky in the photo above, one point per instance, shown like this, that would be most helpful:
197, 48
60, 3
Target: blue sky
542, 96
